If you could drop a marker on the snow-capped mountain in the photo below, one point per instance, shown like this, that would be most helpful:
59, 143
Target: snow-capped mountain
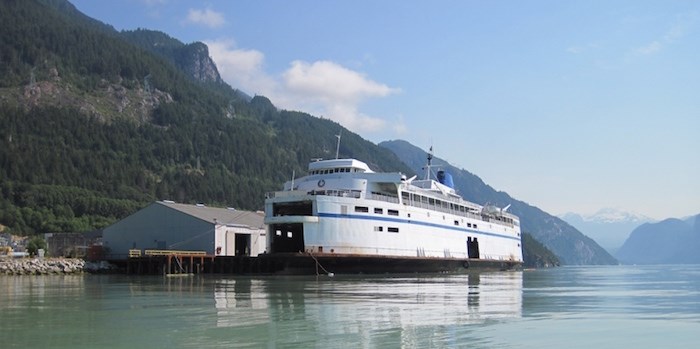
609, 227
613, 215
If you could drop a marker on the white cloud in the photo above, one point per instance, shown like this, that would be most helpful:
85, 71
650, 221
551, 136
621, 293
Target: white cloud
328, 80
650, 48
206, 17
333, 91
576, 49
399, 127
321, 88
347, 115
678, 30
242, 69
684, 24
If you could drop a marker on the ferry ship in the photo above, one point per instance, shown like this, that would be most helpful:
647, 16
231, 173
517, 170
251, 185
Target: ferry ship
342, 217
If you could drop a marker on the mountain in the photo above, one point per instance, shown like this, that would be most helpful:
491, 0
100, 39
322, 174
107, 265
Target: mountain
608, 227
537, 255
567, 243
193, 59
691, 220
612, 215
95, 124
671, 241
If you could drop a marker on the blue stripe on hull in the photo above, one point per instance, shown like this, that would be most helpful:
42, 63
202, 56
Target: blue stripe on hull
408, 221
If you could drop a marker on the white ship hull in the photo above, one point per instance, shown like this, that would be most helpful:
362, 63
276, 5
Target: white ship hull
385, 220
335, 227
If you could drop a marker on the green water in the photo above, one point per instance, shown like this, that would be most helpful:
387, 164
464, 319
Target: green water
570, 307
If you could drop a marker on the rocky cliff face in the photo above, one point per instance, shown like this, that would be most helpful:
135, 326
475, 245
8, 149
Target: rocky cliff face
106, 101
193, 59
197, 63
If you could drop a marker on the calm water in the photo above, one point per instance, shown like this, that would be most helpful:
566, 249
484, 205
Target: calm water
570, 307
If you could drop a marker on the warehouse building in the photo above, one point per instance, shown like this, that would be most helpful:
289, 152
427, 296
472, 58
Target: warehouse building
165, 225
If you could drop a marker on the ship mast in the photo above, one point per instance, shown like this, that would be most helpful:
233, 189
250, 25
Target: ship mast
337, 147
427, 167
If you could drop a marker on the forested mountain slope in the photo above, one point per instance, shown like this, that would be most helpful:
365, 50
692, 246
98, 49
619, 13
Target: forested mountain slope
93, 127
671, 241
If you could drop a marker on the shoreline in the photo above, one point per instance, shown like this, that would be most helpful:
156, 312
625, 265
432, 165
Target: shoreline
52, 266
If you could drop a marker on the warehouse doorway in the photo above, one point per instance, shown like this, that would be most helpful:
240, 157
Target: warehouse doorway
242, 245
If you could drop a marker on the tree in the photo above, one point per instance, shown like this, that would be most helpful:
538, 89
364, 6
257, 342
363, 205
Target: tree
34, 244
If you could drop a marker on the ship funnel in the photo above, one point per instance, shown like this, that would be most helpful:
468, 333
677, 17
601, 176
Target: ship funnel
445, 178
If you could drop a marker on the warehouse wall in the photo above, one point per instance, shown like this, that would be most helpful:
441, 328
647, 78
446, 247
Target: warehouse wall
158, 227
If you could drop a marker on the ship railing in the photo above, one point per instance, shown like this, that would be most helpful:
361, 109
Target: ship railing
446, 209
281, 194
496, 220
384, 197
271, 195
441, 208
345, 193
173, 252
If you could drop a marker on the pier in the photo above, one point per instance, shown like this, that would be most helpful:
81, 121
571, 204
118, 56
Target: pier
181, 263
184, 263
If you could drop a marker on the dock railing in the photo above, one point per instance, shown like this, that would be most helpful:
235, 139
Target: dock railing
173, 252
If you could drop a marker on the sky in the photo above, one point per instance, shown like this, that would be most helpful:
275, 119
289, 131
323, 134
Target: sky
571, 106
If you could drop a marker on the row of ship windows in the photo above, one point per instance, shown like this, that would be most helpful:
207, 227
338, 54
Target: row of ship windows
378, 210
418, 200
469, 225
335, 170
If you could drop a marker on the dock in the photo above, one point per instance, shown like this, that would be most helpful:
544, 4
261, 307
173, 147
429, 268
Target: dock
177, 263
188, 263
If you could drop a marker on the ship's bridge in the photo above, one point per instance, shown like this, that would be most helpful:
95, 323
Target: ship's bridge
338, 166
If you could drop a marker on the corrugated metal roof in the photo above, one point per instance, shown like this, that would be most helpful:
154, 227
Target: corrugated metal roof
218, 215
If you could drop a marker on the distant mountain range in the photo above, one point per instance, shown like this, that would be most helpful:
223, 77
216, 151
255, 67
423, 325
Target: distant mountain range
671, 241
609, 227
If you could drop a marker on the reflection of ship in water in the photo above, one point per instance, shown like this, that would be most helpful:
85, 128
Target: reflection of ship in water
376, 310
240, 302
